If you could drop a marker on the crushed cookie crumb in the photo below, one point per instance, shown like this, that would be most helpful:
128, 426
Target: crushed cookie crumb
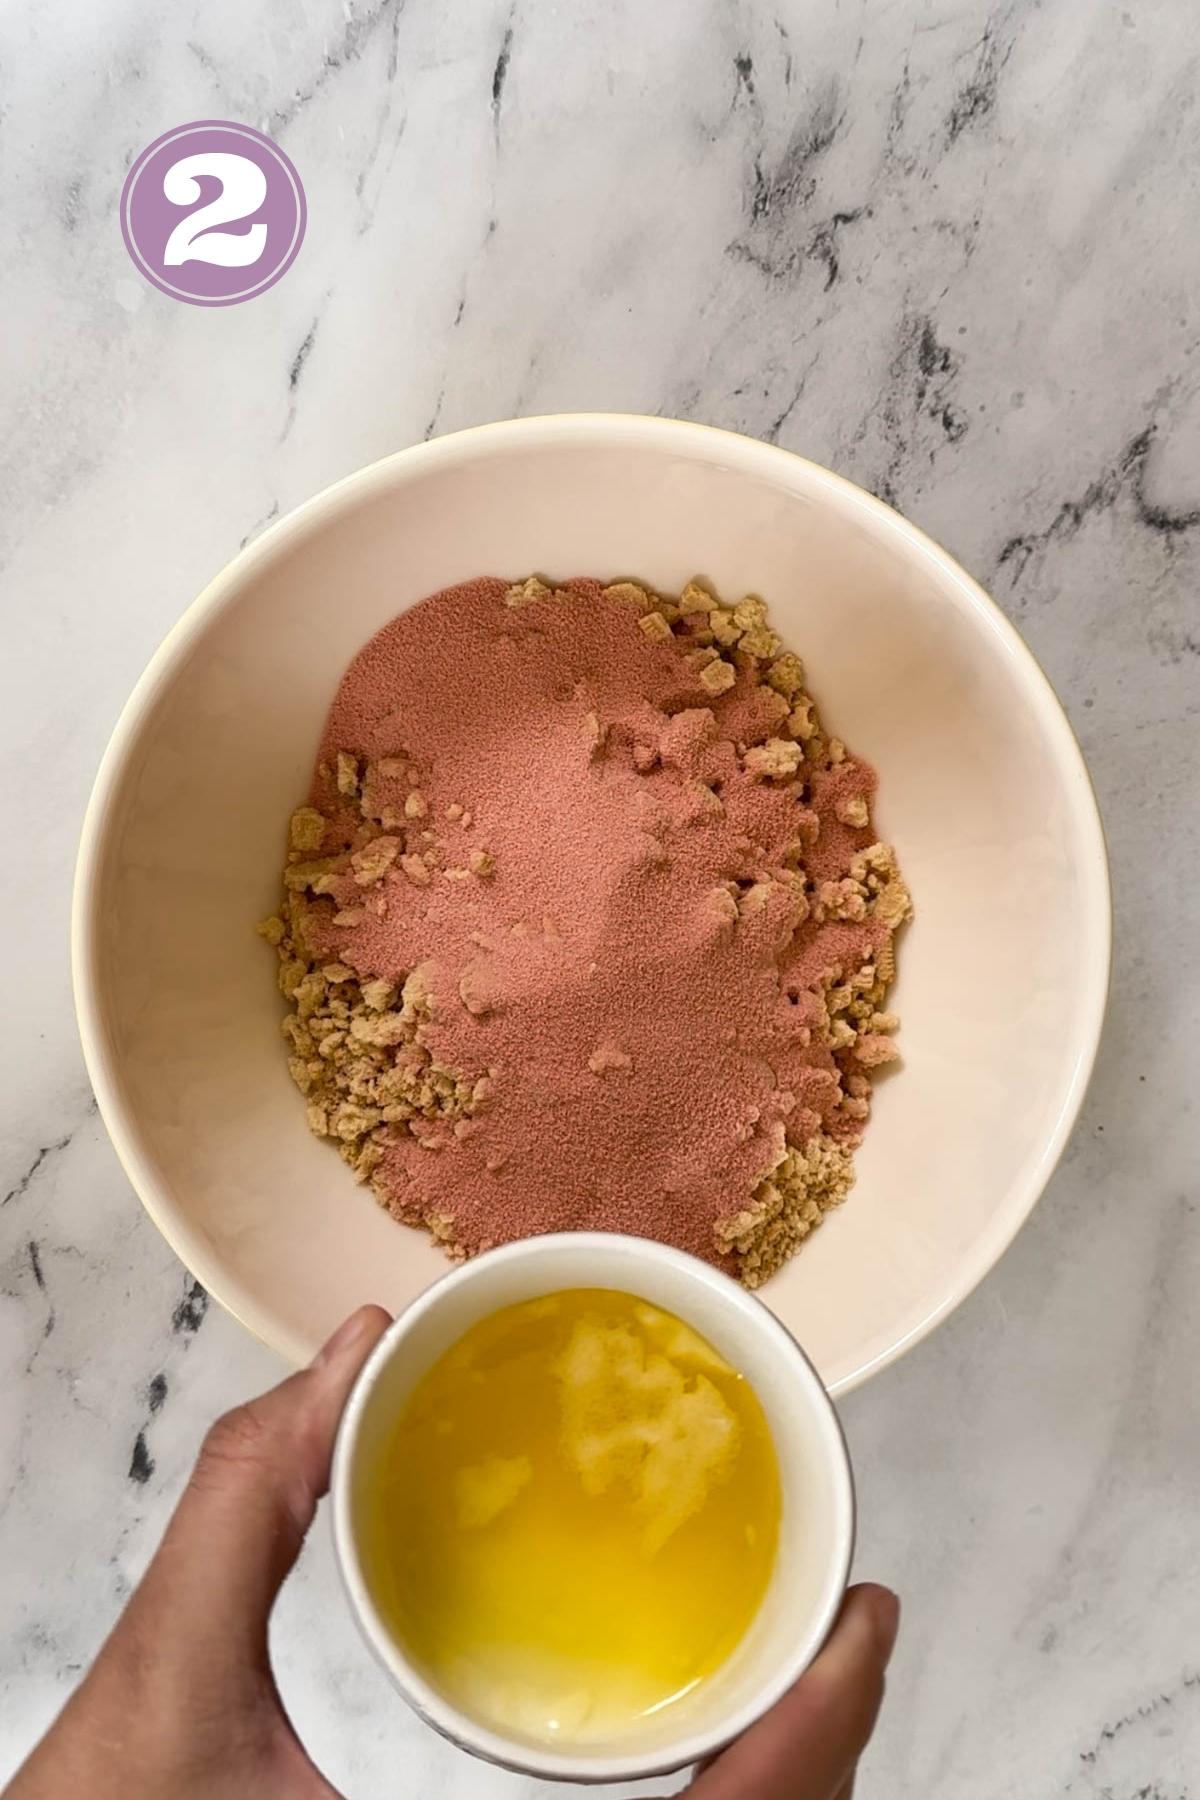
801, 723
790, 1202
695, 599
416, 869
853, 812
701, 658
522, 593
655, 626
628, 593
372, 862
307, 829
717, 676
776, 760
786, 675
759, 642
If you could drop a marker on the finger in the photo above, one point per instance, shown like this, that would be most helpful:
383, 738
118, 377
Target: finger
807, 1746
241, 1521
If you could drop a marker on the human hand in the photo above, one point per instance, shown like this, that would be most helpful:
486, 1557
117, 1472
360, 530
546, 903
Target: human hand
807, 1747
181, 1703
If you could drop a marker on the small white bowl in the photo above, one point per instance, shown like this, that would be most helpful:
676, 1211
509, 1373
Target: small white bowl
816, 1539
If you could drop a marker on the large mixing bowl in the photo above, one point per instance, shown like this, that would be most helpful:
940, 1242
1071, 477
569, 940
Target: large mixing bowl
1003, 975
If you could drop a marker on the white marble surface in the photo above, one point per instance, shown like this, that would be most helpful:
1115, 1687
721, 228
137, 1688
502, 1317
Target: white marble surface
946, 247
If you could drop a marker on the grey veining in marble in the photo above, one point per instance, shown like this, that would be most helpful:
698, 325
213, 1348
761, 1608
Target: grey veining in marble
948, 248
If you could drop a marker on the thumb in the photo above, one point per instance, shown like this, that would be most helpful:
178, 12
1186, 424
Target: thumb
241, 1521
806, 1746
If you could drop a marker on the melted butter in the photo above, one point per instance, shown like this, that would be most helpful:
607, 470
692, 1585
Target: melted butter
576, 1517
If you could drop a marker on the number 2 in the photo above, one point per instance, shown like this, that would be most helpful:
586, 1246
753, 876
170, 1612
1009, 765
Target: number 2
243, 190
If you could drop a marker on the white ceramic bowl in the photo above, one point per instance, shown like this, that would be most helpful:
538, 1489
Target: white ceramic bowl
1003, 976
816, 1536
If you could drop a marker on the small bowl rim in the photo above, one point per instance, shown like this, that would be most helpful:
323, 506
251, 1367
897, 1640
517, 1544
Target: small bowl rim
424, 1699
706, 443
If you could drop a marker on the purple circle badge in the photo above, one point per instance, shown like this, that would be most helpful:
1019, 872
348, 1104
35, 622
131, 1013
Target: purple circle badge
213, 213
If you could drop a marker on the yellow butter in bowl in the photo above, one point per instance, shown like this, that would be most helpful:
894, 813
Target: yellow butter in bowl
575, 1518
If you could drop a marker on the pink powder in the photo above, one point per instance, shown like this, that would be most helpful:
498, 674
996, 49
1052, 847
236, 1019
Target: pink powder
647, 1042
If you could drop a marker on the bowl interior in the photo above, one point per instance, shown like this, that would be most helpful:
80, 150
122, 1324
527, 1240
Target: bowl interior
816, 1527
1002, 975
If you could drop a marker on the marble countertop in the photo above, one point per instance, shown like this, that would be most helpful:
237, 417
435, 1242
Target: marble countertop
948, 248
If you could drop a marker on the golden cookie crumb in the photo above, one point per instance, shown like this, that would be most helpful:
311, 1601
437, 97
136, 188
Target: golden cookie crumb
372, 862
416, 869
306, 830
724, 627
655, 626
801, 723
853, 812
786, 675
789, 1203
523, 592
630, 594
718, 677
776, 760
758, 641
695, 599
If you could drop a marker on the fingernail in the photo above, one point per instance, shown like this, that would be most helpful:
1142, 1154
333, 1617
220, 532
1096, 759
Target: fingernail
347, 1333
885, 1612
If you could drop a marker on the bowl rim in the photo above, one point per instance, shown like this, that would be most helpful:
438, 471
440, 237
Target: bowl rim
705, 443
717, 1291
